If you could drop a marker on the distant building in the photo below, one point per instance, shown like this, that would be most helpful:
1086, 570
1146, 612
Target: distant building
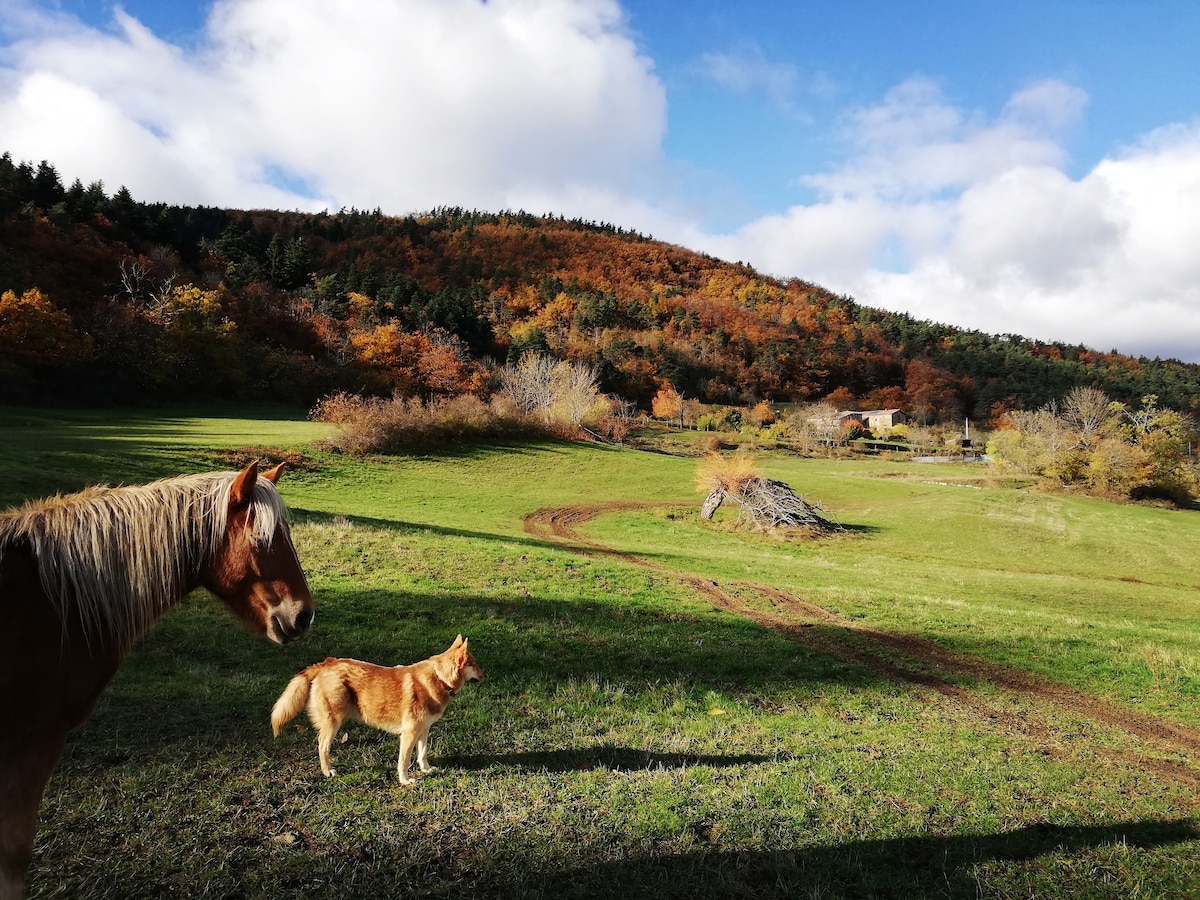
875, 419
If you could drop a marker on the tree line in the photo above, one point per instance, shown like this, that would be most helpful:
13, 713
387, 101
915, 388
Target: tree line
108, 299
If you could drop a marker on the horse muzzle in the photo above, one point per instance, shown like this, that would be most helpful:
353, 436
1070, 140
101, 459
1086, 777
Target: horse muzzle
287, 625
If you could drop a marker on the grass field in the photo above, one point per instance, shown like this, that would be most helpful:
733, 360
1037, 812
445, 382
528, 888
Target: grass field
975, 691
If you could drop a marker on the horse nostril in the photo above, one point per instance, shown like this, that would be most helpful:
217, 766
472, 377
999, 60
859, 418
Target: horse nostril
304, 619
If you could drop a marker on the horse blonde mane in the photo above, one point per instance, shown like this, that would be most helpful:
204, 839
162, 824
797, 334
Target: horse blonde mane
115, 559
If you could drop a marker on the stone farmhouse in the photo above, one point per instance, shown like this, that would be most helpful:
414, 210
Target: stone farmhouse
876, 420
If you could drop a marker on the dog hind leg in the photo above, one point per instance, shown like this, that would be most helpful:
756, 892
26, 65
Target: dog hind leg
326, 715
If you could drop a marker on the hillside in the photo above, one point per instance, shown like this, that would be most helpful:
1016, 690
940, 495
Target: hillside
107, 299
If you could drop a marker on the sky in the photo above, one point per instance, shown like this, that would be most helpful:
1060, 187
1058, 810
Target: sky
1024, 167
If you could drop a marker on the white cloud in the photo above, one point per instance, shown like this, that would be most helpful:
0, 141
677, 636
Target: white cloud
915, 143
746, 69
973, 222
403, 104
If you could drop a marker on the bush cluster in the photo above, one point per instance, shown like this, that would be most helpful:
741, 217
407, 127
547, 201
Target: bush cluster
399, 424
1104, 447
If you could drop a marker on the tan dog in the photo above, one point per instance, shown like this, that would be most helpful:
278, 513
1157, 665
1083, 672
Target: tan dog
403, 700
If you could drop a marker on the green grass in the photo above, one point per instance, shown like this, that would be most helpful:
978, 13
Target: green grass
1093, 594
631, 739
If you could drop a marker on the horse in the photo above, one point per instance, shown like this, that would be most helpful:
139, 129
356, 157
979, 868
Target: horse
82, 576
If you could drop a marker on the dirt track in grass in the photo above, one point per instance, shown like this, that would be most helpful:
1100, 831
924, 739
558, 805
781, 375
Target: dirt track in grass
1168, 749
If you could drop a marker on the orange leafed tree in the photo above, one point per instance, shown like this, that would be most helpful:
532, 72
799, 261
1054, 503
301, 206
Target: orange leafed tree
410, 363
37, 334
667, 404
842, 398
933, 393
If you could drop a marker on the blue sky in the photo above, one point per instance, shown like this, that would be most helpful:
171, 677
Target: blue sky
1019, 167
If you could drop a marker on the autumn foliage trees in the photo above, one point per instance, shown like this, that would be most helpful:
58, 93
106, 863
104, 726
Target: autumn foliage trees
37, 336
1104, 446
137, 301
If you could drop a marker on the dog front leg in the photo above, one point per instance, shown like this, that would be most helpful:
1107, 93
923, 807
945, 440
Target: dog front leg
422, 750
407, 739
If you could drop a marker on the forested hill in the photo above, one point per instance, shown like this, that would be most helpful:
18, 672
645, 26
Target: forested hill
107, 299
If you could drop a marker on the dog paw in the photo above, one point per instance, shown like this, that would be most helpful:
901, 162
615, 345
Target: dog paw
426, 769
331, 773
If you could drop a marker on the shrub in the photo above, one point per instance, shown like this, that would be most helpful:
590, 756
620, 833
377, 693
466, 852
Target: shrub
761, 415
611, 419
667, 404
852, 431
337, 409
729, 419
560, 392
727, 473
779, 431
1115, 467
376, 425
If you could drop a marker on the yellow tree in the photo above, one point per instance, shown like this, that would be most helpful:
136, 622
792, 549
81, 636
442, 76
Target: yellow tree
199, 342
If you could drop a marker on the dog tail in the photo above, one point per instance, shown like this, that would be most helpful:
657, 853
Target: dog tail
291, 701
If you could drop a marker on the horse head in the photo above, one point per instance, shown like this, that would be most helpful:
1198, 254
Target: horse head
256, 570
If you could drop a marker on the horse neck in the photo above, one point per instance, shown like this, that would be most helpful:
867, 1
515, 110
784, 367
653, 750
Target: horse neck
115, 560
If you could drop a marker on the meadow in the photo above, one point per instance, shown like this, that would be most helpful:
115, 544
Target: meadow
978, 689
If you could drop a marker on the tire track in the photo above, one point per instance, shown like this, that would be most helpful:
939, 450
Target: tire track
876, 651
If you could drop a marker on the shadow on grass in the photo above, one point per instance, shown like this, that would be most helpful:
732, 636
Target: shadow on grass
403, 527
1050, 861
567, 546
200, 672
947, 867
857, 528
194, 689
490, 446
619, 759
40, 460
33, 473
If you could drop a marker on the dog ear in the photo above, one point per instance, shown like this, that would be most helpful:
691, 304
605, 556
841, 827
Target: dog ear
457, 641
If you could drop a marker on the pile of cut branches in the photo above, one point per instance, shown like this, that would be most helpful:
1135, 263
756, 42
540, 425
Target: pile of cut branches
762, 502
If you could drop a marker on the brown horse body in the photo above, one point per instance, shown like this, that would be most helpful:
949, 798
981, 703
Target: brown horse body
81, 577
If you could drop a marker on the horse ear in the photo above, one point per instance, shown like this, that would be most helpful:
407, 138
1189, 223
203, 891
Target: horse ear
241, 492
272, 475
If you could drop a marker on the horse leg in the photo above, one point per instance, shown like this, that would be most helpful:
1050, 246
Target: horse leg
25, 767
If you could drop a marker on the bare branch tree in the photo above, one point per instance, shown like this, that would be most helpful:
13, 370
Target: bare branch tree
555, 389
530, 383
575, 389
1089, 413
134, 274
